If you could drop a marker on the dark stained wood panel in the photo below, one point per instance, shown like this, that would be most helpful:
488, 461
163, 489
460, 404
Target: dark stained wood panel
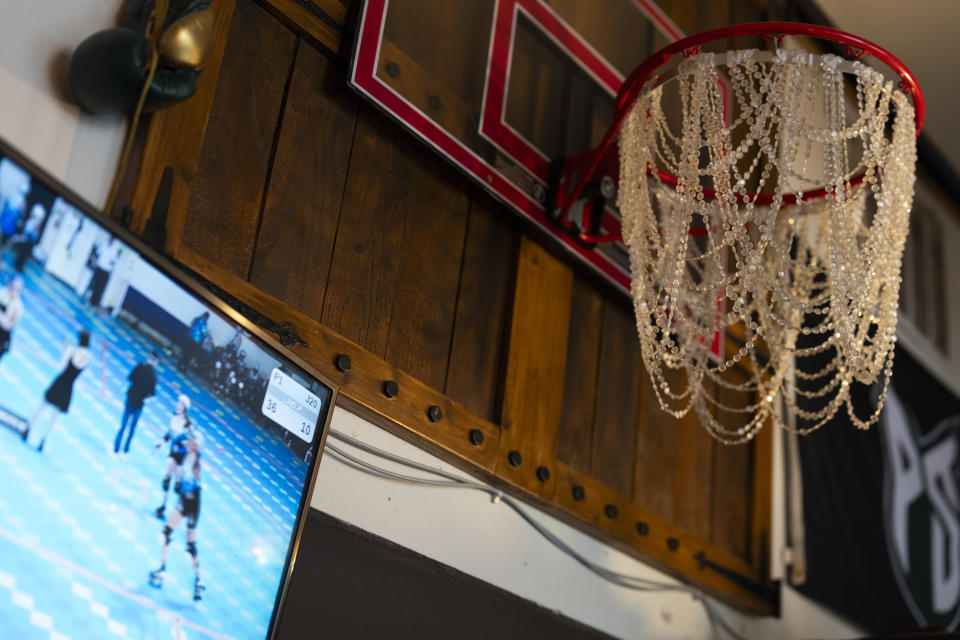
761, 505
619, 30
292, 256
537, 356
477, 351
740, 12
575, 435
693, 477
224, 207
535, 84
622, 532
320, 21
618, 389
732, 473
396, 262
426, 92
732, 497
421, 319
656, 453
684, 15
712, 14
174, 140
447, 42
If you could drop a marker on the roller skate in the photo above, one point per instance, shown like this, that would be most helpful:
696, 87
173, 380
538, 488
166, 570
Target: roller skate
197, 590
156, 578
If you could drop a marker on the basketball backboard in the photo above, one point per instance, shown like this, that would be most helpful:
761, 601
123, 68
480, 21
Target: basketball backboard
503, 88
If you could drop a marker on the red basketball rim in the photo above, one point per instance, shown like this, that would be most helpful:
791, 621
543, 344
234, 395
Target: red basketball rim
691, 45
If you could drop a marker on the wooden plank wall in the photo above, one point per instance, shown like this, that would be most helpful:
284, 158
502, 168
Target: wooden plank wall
300, 191
612, 428
322, 202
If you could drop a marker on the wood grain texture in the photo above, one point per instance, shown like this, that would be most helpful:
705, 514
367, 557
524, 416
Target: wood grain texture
361, 387
693, 477
620, 31
742, 11
732, 497
302, 16
484, 303
175, 137
533, 391
618, 389
622, 532
683, 13
447, 43
225, 204
762, 503
712, 14
732, 474
575, 433
656, 453
292, 256
428, 93
538, 88
393, 281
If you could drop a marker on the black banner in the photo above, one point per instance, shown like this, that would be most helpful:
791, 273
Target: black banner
882, 508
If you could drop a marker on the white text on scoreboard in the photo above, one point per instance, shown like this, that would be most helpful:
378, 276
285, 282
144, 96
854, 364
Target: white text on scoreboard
291, 405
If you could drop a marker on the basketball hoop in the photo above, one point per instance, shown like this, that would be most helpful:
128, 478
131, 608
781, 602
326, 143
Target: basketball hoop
767, 195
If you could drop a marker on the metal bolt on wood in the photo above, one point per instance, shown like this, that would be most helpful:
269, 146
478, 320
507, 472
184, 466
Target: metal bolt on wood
343, 363
391, 389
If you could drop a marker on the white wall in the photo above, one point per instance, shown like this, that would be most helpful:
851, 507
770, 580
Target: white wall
462, 529
36, 38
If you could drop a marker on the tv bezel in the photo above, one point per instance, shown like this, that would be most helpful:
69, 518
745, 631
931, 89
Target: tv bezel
179, 275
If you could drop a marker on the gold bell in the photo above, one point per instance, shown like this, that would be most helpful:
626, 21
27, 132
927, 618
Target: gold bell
187, 42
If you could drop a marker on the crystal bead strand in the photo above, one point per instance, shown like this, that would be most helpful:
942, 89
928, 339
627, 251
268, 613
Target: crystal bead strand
810, 290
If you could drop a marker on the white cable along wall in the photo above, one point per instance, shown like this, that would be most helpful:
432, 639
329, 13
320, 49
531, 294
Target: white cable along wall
466, 530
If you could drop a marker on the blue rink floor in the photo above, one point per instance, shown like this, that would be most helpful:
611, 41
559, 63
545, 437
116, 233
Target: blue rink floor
78, 536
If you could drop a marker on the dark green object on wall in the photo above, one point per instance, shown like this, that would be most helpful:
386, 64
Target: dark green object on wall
108, 69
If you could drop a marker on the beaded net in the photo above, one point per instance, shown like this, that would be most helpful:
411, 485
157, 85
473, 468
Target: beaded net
807, 291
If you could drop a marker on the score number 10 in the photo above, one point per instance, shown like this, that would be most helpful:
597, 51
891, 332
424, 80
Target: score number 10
291, 405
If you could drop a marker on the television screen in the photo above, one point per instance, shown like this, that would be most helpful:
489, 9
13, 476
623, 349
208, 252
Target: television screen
156, 451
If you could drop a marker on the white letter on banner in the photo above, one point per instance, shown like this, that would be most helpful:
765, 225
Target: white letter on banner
945, 531
904, 460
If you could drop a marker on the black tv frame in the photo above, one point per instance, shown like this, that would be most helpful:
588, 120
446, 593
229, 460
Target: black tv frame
187, 279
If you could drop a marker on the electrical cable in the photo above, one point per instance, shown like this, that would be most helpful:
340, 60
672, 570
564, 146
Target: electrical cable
457, 482
451, 480
158, 15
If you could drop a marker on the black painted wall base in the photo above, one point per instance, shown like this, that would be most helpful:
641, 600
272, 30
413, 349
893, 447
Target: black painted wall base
349, 583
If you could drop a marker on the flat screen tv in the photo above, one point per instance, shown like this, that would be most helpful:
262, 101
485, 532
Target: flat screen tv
157, 450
